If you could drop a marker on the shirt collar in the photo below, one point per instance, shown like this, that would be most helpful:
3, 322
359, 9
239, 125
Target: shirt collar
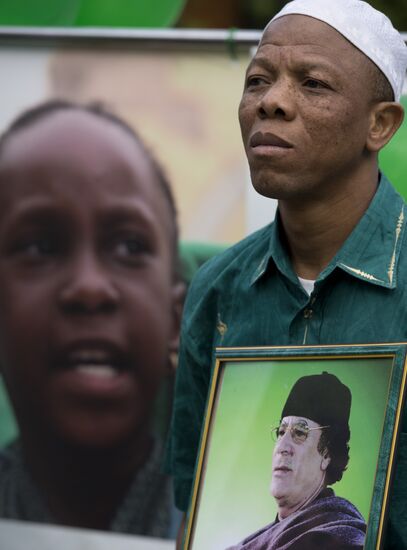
370, 253
275, 254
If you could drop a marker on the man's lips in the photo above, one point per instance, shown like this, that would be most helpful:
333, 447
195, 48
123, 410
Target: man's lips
268, 139
282, 468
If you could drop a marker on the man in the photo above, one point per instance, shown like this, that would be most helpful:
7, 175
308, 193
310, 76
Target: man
311, 452
320, 100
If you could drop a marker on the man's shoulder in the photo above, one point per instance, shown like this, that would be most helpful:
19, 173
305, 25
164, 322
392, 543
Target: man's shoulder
239, 259
337, 504
399, 205
328, 521
376, 250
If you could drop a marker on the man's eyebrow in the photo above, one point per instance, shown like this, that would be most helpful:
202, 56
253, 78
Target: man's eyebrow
262, 61
311, 64
315, 65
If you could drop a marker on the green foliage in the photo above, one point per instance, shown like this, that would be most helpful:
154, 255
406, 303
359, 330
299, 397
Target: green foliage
393, 158
90, 13
257, 13
396, 10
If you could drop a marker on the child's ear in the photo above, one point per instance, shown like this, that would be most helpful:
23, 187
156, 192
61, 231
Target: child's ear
179, 290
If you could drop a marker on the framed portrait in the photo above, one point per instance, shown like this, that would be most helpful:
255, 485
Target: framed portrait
298, 445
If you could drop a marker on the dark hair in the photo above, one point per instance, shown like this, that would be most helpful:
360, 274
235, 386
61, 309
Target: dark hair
34, 114
335, 442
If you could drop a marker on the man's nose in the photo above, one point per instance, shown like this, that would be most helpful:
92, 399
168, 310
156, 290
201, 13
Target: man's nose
278, 100
88, 286
285, 444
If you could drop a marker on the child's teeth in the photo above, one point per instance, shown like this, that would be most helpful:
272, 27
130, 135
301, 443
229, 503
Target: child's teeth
100, 371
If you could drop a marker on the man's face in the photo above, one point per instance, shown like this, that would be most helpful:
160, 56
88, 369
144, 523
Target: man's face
86, 280
298, 468
304, 113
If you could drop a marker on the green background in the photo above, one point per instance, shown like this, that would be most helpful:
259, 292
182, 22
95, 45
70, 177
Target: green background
393, 158
90, 13
8, 427
235, 499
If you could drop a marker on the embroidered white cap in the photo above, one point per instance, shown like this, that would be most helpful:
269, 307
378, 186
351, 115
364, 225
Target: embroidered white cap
365, 27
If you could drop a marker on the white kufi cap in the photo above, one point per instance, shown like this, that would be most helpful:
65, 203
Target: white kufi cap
365, 27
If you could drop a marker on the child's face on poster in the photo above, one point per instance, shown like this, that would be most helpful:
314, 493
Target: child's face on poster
86, 280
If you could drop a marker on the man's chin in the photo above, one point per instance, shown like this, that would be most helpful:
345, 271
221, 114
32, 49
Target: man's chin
283, 187
278, 490
267, 187
275, 187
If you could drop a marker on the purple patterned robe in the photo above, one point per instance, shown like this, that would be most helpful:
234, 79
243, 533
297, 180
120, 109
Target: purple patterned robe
327, 523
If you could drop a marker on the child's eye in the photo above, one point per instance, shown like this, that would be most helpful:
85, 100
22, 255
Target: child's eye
37, 248
131, 248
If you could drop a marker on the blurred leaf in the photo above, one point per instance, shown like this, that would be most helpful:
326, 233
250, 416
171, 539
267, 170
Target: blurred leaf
49, 13
92, 13
129, 13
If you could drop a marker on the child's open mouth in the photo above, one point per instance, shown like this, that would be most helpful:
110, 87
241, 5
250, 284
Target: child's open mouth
100, 363
99, 371
94, 367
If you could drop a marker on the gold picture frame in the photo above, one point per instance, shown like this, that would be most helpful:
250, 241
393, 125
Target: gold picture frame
230, 499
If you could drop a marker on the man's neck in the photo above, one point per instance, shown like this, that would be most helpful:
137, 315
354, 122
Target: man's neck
286, 508
315, 230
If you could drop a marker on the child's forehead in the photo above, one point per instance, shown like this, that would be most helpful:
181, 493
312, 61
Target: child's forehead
61, 131
71, 148
78, 151
66, 146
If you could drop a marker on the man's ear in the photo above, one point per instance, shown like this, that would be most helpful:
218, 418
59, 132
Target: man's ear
178, 297
385, 119
326, 459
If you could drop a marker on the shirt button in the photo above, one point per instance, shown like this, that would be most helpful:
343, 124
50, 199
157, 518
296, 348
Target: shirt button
307, 313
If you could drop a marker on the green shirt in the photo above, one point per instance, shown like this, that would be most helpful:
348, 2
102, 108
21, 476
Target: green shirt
249, 295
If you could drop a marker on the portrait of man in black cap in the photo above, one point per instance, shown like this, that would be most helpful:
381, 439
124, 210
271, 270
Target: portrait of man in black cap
311, 453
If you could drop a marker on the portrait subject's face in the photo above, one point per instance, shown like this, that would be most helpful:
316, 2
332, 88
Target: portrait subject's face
304, 113
86, 280
298, 468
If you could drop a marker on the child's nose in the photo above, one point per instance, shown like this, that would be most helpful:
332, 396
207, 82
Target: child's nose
89, 286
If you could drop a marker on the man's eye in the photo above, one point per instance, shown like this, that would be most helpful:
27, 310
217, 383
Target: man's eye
254, 81
314, 84
281, 431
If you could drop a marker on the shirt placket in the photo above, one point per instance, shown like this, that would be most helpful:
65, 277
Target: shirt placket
304, 326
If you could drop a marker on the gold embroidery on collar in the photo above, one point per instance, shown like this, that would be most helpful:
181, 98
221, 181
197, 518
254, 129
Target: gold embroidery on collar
221, 327
399, 226
262, 266
260, 269
362, 273
390, 271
